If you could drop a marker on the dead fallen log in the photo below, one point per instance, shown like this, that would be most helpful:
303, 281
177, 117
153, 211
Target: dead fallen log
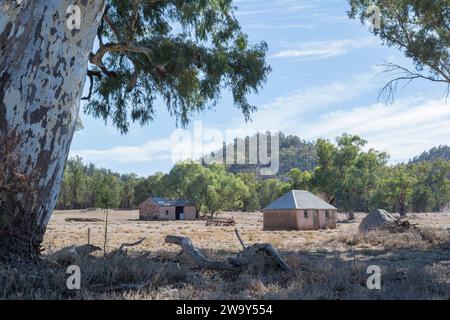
400, 226
83, 220
122, 250
196, 254
266, 250
244, 258
123, 245
220, 222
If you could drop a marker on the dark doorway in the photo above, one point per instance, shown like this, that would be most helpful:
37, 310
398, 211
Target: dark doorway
316, 219
179, 213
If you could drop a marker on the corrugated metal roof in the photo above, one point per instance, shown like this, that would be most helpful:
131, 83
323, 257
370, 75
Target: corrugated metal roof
171, 202
298, 199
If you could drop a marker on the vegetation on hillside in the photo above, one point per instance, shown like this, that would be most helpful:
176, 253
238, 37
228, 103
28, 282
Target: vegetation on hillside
435, 153
294, 153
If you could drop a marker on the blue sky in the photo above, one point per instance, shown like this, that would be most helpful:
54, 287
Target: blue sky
325, 82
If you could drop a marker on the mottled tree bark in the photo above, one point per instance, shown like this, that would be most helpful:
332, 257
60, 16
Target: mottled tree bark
43, 66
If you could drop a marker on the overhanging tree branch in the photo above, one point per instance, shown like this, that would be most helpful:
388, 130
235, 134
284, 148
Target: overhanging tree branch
402, 74
91, 74
420, 30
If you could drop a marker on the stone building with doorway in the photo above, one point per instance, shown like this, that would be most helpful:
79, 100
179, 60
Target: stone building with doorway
155, 208
299, 210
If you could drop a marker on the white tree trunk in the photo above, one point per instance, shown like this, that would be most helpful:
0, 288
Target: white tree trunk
43, 66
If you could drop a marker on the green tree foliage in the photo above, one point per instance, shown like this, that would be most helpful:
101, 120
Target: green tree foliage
108, 196
397, 187
129, 182
151, 186
418, 187
225, 191
75, 183
350, 177
271, 189
423, 199
182, 52
85, 186
189, 181
211, 188
300, 180
421, 29
325, 178
250, 201
438, 182
346, 174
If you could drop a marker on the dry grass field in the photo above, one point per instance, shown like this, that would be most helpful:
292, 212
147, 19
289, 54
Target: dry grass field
327, 264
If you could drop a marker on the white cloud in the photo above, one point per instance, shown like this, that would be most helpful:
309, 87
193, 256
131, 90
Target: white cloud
152, 150
404, 129
280, 26
288, 112
325, 49
247, 8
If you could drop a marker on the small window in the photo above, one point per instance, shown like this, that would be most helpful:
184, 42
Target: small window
167, 212
327, 214
306, 214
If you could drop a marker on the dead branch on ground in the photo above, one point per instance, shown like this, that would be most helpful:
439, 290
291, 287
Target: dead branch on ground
220, 222
83, 220
243, 258
122, 249
196, 254
240, 239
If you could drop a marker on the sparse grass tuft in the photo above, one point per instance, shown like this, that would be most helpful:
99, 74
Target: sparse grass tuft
326, 265
425, 238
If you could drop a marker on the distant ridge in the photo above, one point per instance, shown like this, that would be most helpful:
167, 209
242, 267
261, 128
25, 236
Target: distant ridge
299, 153
435, 153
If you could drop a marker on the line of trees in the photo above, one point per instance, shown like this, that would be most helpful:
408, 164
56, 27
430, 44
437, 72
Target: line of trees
352, 179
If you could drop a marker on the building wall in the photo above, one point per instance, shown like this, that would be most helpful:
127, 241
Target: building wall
190, 212
166, 213
331, 220
149, 210
296, 220
322, 219
305, 223
280, 220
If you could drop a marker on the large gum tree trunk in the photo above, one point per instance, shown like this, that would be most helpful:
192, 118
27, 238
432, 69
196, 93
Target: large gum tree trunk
43, 66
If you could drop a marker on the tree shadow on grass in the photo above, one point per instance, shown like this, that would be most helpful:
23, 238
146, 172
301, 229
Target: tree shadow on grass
406, 273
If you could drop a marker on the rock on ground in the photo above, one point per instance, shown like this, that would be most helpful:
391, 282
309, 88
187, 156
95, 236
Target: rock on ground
376, 219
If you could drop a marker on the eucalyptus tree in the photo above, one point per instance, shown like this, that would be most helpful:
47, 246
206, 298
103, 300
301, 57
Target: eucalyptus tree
134, 53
